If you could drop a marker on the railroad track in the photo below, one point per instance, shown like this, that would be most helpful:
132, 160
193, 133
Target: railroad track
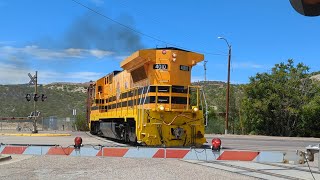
261, 170
111, 142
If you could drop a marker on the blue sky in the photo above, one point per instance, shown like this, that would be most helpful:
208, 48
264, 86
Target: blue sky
66, 42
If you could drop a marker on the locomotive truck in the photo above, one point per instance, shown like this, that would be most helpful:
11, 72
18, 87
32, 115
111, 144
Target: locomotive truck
151, 101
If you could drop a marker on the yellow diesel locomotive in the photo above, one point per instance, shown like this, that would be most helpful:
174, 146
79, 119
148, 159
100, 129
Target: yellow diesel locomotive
151, 101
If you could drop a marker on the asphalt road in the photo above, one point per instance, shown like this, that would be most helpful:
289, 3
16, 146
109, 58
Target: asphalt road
263, 143
87, 138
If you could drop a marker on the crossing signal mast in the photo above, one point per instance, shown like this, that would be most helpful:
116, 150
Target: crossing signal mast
35, 97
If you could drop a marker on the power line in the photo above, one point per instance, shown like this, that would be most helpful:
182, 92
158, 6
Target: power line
123, 2
139, 32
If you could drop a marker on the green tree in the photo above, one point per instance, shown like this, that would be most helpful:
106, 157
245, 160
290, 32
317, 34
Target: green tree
215, 122
273, 102
81, 122
216, 98
310, 126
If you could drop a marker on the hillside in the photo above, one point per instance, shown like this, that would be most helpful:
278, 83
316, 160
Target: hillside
62, 98
215, 92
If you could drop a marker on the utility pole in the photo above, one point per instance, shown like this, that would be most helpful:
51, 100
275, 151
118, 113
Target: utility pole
205, 70
228, 87
228, 92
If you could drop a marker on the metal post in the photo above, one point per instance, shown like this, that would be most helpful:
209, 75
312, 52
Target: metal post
319, 157
35, 105
42, 123
228, 87
205, 70
74, 113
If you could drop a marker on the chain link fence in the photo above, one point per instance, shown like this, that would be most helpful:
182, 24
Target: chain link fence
61, 124
52, 123
16, 125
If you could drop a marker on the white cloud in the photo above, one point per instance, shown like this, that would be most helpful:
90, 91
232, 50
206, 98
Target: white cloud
11, 74
7, 42
73, 52
52, 76
42, 53
99, 53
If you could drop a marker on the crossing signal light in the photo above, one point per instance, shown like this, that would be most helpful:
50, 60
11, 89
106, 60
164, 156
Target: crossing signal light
43, 97
36, 97
306, 7
28, 97
77, 143
216, 144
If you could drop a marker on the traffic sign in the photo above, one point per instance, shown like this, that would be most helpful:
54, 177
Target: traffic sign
74, 112
33, 79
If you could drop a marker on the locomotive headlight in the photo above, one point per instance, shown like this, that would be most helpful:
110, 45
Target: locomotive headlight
161, 108
174, 57
195, 109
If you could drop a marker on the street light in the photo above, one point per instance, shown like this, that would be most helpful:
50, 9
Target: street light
228, 86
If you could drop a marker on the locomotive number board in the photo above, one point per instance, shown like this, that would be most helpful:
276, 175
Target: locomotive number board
184, 68
160, 66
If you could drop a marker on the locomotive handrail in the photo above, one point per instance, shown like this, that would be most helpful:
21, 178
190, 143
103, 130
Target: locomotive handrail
139, 105
197, 95
145, 97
